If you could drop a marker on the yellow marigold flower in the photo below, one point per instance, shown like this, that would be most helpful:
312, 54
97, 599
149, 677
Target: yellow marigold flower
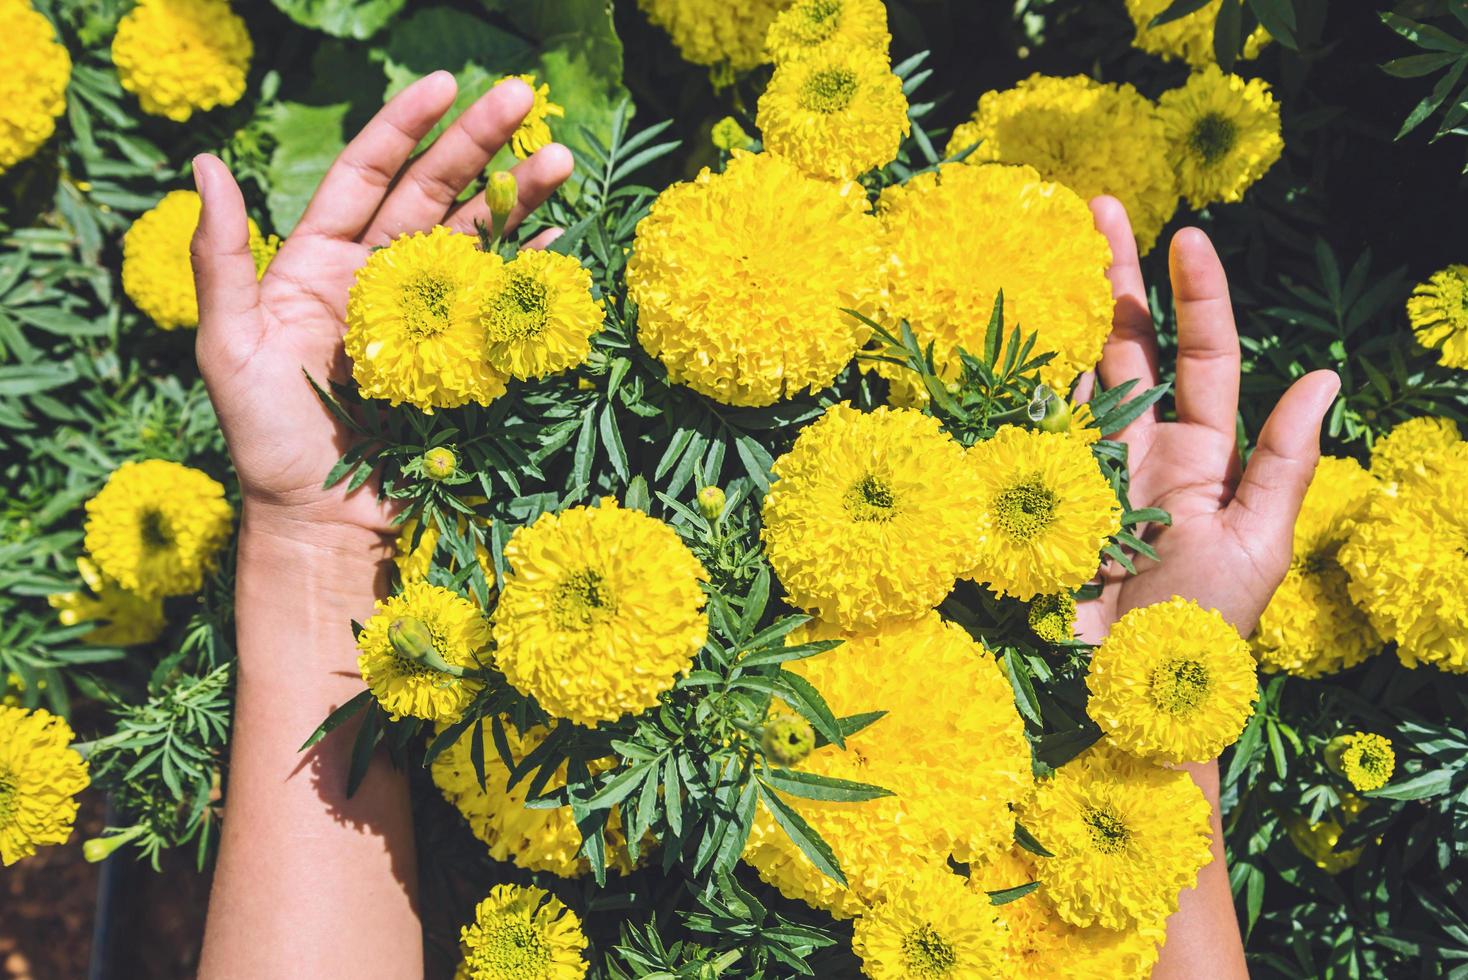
961, 234
1172, 682
1223, 134
956, 763
1042, 946
740, 279
1311, 627
1413, 449
1317, 841
534, 132
1092, 137
929, 925
125, 619
727, 135
1052, 617
1188, 38
521, 932
157, 274
538, 313
413, 328
177, 56
1364, 758
1045, 511
600, 613
407, 644
1407, 568
155, 527
536, 840
808, 27
34, 71
1127, 836
39, 774
716, 33
836, 114
869, 518
1438, 311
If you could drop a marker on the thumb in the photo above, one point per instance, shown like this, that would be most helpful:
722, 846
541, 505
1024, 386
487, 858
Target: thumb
224, 268
1268, 497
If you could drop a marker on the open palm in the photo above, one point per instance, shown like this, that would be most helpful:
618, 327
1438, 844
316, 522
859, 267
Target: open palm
256, 338
1230, 540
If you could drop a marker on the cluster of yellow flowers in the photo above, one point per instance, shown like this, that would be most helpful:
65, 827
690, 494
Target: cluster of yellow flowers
34, 71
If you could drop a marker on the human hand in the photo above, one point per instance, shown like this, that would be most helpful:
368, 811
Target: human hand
1231, 537
255, 338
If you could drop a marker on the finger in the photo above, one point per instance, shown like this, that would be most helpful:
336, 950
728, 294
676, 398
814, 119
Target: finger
354, 187
537, 178
224, 268
544, 239
1274, 483
1131, 349
1207, 342
428, 188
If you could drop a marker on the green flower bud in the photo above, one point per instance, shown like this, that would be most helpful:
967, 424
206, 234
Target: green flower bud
728, 135
440, 463
788, 739
711, 502
411, 640
500, 194
1054, 411
101, 848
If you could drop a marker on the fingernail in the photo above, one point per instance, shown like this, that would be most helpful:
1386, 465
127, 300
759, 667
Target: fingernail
198, 178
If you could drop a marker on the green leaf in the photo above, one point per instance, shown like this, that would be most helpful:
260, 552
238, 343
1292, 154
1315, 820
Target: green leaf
1434, 782
804, 835
358, 19
1025, 839
334, 720
1024, 689
1228, 34
1177, 10
1278, 18
307, 139
804, 698
1006, 895
814, 786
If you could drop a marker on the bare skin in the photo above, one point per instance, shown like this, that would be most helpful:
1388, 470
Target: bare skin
310, 883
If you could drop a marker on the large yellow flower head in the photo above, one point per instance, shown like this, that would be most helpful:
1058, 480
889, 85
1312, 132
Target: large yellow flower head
34, 71
717, 33
601, 611
1127, 836
1408, 563
123, 619
956, 763
521, 932
413, 323
1042, 946
930, 926
869, 517
1311, 627
39, 774
1188, 38
414, 652
1044, 512
1092, 137
1365, 759
1223, 134
177, 56
536, 840
534, 130
155, 527
538, 313
1172, 682
809, 27
835, 114
962, 233
1438, 311
740, 279
1413, 449
157, 274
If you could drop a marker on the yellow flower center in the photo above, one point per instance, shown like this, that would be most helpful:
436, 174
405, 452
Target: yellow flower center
426, 301
9, 797
582, 600
829, 90
1025, 509
153, 528
926, 954
518, 311
1179, 685
1109, 833
515, 949
1213, 137
817, 21
870, 499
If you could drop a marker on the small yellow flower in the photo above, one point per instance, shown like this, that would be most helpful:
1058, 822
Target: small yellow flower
522, 933
1317, 840
534, 132
179, 56
40, 773
415, 651
124, 619
1438, 311
810, 27
728, 135
1223, 134
729, 37
1364, 758
1052, 617
440, 463
34, 72
1189, 38
537, 313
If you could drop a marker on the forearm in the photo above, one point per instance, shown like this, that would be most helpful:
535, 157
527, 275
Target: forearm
308, 882
1203, 934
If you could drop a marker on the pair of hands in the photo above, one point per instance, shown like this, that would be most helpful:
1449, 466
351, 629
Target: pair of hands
1228, 546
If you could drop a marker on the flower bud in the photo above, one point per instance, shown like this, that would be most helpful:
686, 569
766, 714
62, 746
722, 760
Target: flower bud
101, 848
412, 640
788, 739
711, 502
500, 194
728, 135
1049, 411
440, 463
